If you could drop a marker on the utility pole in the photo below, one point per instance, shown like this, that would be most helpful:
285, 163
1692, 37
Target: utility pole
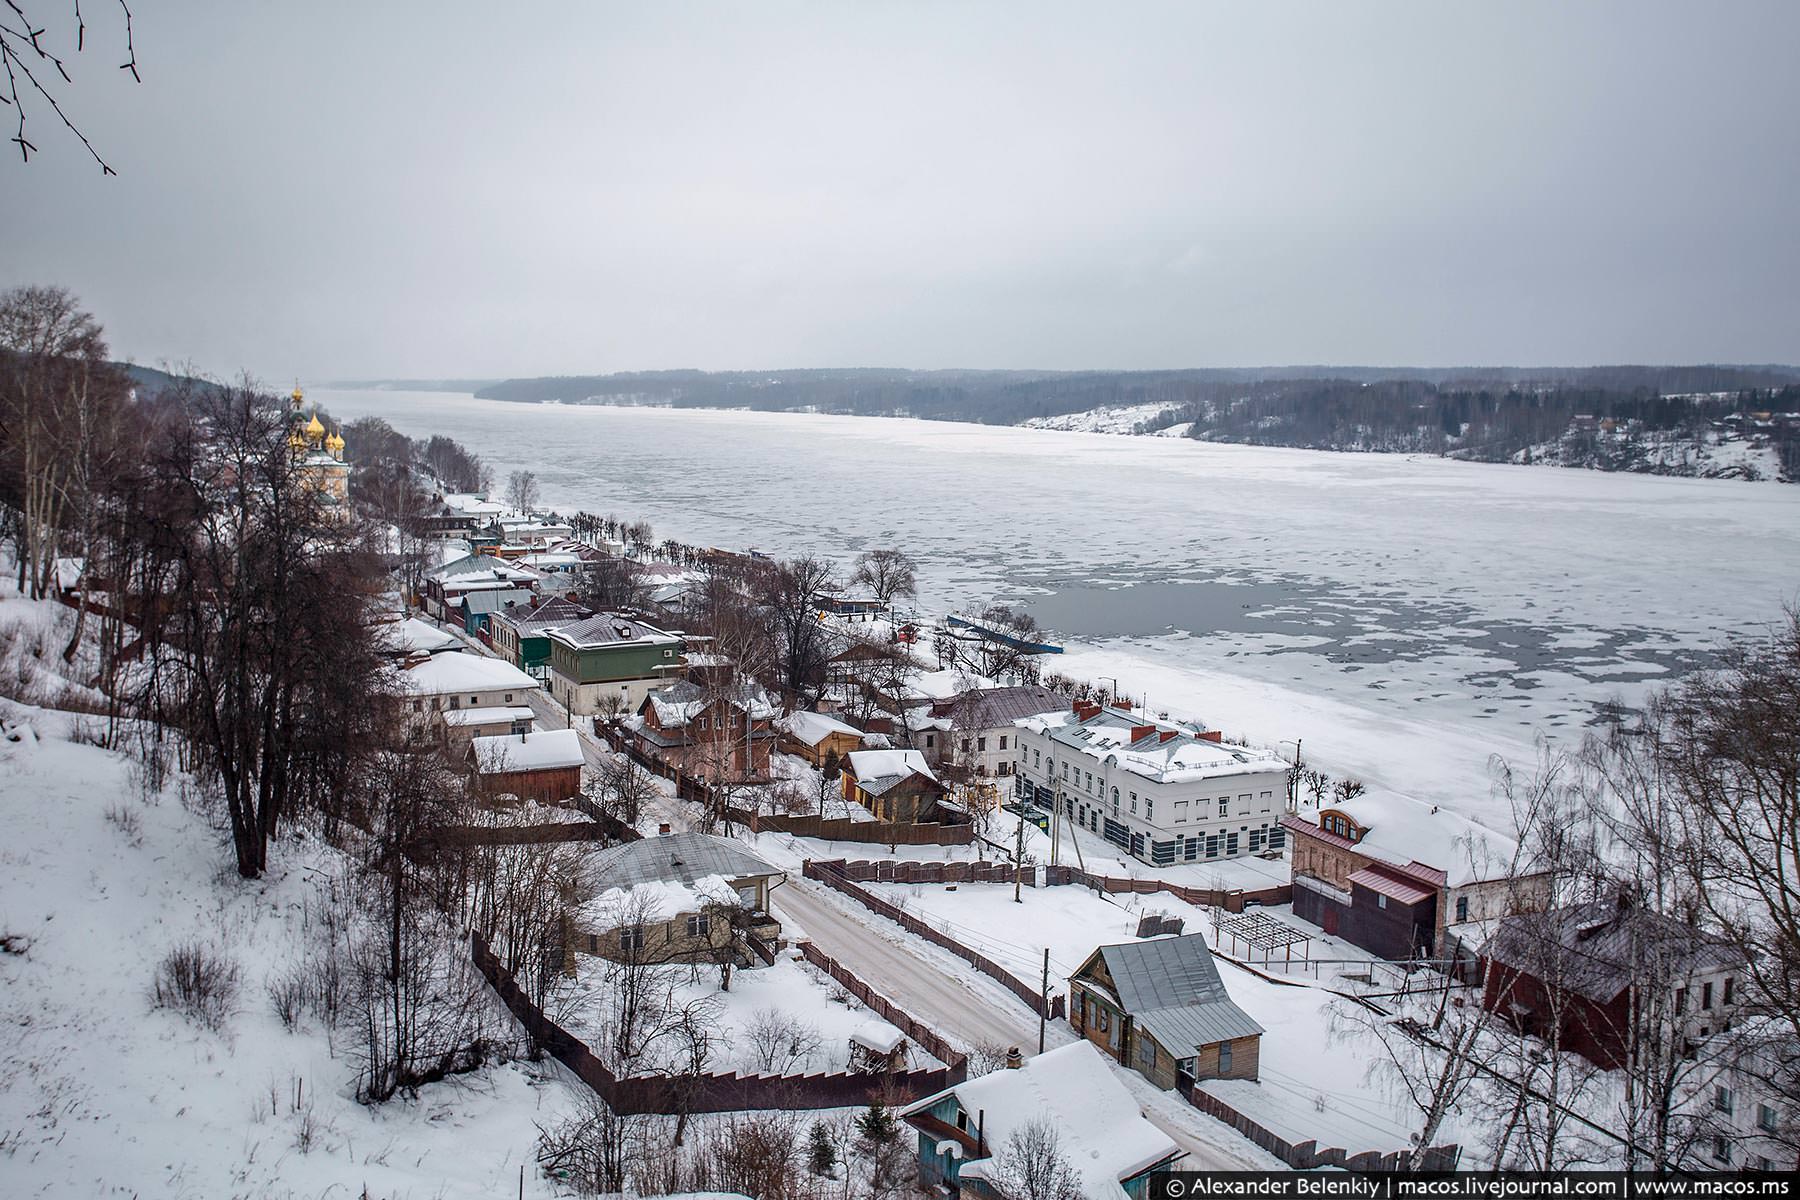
1044, 1007
1056, 825
1019, 855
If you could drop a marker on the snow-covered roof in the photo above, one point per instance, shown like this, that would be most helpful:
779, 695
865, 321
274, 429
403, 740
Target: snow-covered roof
877, 771
683, 857
452, 674
684, 700
413, 636
811, 728
541, 618
993, 707
1099, 1127
545, 750
1404, 831
1160, 751
611, 629
489, 715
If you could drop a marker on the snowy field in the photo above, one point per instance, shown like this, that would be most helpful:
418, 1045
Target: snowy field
106, 1095
1406, 617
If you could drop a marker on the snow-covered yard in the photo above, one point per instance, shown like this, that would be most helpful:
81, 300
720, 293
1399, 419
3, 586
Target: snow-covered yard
787, 1019
107, 1095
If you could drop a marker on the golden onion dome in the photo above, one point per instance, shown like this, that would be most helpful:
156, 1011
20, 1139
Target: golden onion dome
315, 429
334, 442
297, 394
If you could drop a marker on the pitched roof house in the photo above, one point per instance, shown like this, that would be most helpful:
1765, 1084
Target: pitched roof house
610, 662
816, 736
543, 766
655, 898
718, 731
1397, 877
1159, 1007
1596, 974
896, 785
1100, 1130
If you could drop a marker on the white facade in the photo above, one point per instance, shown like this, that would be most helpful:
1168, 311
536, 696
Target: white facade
1162, 793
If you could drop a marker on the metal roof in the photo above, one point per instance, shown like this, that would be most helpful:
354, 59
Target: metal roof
1171, 987
1597, 949
683, 857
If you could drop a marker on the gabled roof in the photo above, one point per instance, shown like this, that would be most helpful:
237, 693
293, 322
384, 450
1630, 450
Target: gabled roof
1424, 840
684, 700
1171, 987
878, 772
989, 708
1596, 949
545, 750
611, 629
1100, 1128
811, 728
1164, 754
413, 636
675, 857
540, 618
453, 674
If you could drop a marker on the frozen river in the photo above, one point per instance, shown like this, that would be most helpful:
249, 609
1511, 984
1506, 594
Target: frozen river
1407, 617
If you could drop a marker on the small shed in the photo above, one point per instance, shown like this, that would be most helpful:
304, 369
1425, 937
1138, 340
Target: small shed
543, 766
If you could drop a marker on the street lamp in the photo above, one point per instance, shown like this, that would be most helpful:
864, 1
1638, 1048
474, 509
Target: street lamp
1293, 780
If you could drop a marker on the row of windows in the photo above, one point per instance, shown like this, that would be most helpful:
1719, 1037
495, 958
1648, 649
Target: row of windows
438, 702
1706, 996
631, 937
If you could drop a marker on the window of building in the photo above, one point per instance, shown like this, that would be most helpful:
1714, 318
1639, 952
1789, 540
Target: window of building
1003, 741
1149, 808
981, 745
1231, 843
1722, 1149
509, 697
474, 701
931, 741
1706, 996
1726, 998
1462, 909
1037, 758
1224, 803
668, 654
1380, 900
699, 926
1191, 850
1224, 1058
418, 706
1090, 780
1100, 1018
1244, 804
1256, 838
1005, 767
701, 724
454, 703
631, 938
1065, 769
1134, 803
1147, 1052
1680, 1000
1180, 811
1765, 1117
1267, 801
1722, 1099
1212, 846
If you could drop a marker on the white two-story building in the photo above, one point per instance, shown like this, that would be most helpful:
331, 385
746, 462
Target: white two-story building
1164, 793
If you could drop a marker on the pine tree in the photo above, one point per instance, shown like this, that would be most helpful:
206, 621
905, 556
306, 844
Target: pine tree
822, 1156
876, 1126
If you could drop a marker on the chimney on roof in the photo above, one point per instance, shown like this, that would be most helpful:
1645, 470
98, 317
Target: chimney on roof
1212, 735
1014, 1060
1164, 735
1141, 731
663, 829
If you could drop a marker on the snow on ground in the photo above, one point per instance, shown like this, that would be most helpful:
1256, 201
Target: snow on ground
107, 1095
1123, 418
791, 986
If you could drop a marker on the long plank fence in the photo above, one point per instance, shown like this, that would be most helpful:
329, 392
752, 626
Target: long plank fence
730, 1091
1307, 1156
1229, 899
832, 875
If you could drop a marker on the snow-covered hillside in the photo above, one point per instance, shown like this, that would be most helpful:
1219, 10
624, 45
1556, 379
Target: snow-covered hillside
108, 1095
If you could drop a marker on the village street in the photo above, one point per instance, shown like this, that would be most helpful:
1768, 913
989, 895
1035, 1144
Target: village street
931, 984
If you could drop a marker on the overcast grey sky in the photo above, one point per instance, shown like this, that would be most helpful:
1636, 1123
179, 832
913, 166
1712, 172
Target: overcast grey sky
437, 189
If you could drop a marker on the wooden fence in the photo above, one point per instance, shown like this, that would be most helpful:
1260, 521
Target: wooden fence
891, 870
832, 875
1229, 899
1306, 1156
731, 1092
